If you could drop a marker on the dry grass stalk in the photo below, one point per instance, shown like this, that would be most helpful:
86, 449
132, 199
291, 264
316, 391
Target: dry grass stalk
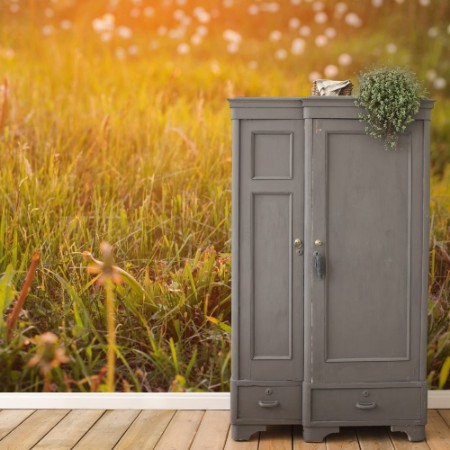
189, 142
103, 135
12, 318
4, 102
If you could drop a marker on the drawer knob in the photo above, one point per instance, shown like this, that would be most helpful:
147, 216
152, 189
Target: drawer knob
267, 404
366, 405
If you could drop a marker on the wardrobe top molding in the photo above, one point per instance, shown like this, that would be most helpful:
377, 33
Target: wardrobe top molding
316, 107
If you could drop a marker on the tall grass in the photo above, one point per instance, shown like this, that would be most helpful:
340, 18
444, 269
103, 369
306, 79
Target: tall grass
439, 285
151, 178
136, 152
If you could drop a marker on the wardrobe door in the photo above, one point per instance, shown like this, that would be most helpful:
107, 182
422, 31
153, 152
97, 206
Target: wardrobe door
366, 261
270, 259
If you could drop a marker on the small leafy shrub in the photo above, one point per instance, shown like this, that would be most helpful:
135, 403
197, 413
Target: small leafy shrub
391, 98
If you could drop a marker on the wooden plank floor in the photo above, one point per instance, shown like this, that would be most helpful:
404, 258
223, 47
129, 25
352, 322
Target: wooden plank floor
182, 430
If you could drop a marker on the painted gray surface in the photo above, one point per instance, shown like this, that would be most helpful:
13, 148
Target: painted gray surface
272, 275
269, 404
270, 270
271, 154
366, 311
303, 168
366, 406
364, 247
243, 400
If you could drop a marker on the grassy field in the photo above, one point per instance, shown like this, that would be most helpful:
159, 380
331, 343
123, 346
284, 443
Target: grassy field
116, 128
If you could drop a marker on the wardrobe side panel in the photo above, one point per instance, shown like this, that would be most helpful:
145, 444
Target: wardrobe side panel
235, 207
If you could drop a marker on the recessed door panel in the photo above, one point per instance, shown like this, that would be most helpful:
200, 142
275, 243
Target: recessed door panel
272, 155
368, 205
272, 275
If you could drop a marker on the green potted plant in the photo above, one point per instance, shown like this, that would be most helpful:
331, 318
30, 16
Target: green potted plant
390, 97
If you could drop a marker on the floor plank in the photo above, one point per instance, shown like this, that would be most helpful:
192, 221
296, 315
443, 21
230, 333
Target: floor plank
445, 414
70, 430
344, 440
251, 444
300, 444
10, 419
276, 438
32, 429
107, 431
374, 438
146, 430
438, 437
195, 430
181, 431
212, 432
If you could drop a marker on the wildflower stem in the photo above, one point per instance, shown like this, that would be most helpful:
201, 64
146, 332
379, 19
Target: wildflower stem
111, 319
47, 381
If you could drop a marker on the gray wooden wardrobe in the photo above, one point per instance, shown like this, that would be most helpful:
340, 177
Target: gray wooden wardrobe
330, 267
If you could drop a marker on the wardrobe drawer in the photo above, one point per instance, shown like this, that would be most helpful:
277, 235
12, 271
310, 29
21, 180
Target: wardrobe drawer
277, 403
366, 405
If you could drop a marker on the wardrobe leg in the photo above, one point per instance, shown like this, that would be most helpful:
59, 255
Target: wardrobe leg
318, 434
244, 432
415, 433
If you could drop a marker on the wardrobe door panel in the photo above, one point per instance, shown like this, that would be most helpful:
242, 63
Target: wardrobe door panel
367, 213
270, 264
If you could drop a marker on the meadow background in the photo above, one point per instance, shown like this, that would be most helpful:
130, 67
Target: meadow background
114, 126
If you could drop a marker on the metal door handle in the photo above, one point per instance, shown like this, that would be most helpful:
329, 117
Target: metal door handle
319, 264
266, 404
366, 405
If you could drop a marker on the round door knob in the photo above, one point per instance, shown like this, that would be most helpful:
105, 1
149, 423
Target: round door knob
298, 243
318, 242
